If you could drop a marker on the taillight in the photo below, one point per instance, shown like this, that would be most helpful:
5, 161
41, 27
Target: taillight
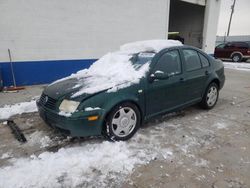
248, 51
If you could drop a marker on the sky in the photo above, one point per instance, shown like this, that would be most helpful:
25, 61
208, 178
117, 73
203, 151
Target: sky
241, 18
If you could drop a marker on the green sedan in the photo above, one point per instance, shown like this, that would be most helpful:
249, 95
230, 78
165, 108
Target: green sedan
123, 89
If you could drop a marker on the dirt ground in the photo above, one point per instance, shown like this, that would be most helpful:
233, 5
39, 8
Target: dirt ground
209, 149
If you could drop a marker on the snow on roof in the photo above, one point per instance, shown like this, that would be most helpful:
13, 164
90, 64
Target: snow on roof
115, 70
149, 45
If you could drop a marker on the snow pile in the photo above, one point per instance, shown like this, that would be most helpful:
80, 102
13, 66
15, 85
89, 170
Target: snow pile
19, 108
6, 155
115, 70
237, 66
71, 167
92, 164
45, 142
40, 139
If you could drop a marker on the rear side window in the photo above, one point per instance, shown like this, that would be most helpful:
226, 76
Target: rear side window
192, 60
241, 45
169, 63
204, 60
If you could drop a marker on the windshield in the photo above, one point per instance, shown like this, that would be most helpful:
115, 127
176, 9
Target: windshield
141, 58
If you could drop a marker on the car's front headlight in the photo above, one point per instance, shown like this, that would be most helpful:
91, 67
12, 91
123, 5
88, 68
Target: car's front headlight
68, 106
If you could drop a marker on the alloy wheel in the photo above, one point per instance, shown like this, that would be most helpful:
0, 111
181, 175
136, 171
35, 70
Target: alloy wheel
212, 95
124, 122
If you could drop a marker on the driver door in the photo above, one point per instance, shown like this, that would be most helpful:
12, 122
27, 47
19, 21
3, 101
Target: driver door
167, 91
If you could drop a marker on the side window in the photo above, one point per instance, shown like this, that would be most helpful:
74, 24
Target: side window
169, 63
241, 45
204, 60
230, 45
221, 46
192, 60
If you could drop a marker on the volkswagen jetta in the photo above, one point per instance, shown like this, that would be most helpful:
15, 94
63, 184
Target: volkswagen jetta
125, 88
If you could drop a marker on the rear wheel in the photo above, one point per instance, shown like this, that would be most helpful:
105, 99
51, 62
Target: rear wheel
210, 97
236, 58
123, 121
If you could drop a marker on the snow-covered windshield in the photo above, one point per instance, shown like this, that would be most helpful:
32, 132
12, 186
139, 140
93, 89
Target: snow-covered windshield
119, 69
140, 59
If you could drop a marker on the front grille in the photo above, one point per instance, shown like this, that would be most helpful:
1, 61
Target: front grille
48, 102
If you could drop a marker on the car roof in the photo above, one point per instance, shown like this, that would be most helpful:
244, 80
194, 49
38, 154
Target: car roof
248, 42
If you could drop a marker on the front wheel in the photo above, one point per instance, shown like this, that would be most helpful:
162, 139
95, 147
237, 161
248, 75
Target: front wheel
210, 97
123, 121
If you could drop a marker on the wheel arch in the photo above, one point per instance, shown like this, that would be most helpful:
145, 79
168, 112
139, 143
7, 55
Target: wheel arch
236, 52
215, 80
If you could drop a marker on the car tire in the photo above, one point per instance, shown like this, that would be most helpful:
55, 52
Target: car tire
244, 60
236, 57
210, 97
122, 122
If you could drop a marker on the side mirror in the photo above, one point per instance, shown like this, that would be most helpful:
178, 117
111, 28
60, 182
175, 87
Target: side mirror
158, 75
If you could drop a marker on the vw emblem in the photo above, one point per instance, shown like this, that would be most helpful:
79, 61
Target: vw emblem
46, 99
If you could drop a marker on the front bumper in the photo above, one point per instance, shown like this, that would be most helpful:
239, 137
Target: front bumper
76, 126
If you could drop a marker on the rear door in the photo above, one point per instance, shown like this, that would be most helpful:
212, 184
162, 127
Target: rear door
197, 71
228, 50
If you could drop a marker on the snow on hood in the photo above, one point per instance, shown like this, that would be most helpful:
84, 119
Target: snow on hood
115, 70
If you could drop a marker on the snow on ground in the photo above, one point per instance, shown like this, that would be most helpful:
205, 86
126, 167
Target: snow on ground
6, 155
237, 66
74, 166
92, 164
98, 163
116, 69
19, 108
220, 125
39, 138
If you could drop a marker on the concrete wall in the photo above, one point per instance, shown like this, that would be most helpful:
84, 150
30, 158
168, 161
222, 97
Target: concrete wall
211, 19
79, 29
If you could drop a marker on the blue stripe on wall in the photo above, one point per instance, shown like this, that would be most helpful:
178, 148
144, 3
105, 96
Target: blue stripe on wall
41, 72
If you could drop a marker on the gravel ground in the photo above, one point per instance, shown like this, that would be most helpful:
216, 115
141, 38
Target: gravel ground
192, 148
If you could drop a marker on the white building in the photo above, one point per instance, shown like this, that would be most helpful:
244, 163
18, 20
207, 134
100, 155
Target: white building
42, 30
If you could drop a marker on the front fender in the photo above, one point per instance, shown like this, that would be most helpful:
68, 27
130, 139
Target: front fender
124, 96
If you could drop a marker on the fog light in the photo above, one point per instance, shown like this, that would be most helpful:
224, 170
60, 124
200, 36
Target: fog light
92, 118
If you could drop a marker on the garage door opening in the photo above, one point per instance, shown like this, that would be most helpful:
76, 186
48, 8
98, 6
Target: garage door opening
187, 20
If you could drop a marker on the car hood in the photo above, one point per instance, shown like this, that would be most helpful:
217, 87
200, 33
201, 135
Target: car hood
66, 89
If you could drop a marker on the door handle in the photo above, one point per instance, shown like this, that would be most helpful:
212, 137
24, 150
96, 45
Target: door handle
182, 79
206, 73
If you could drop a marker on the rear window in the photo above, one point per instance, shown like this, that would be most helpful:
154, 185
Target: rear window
204, 60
